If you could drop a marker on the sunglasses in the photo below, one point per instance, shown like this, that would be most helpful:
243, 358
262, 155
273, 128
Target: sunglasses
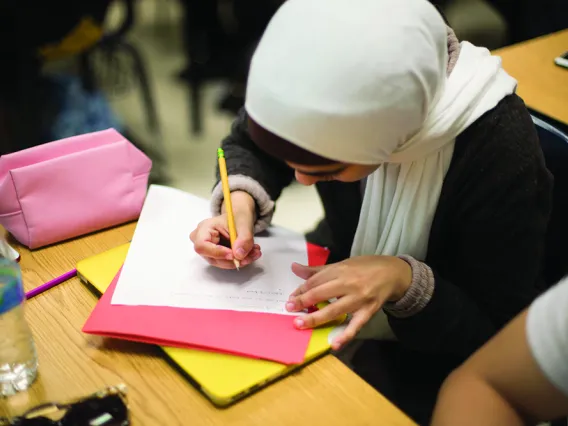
107, 407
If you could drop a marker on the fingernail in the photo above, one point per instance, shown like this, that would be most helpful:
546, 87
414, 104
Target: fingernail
290, 306
298, 322
229, 256
241, 253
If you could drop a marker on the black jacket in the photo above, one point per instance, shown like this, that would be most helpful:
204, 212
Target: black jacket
487, 239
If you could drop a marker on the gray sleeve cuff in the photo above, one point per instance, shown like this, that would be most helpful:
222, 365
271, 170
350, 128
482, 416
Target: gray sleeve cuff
419, 293
265, 205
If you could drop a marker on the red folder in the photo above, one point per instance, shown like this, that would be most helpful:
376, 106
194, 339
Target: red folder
256, 335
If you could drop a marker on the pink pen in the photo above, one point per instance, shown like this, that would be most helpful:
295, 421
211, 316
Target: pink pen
50, 284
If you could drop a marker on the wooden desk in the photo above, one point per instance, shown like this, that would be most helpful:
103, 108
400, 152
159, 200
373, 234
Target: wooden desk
73, 364
542, 84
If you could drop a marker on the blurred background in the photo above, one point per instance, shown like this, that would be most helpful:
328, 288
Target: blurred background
171, 74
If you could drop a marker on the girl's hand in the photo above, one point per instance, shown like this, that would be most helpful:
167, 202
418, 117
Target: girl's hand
211, 237
361, 284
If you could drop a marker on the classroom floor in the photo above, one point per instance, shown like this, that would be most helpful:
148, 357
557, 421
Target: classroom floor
190, 160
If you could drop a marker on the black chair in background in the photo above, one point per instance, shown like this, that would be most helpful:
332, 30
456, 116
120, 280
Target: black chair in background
219, 53
204, 41
115, 66
114, 62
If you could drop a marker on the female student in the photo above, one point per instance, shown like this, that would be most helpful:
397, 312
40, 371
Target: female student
429, 170
519, 376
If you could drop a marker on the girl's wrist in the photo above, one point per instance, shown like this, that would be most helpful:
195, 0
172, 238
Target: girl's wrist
403, 279
242, 201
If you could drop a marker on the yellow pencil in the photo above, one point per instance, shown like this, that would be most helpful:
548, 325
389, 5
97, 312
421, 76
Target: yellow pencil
227, 197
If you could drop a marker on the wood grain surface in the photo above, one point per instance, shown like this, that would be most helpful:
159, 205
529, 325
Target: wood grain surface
73, 364
542, 84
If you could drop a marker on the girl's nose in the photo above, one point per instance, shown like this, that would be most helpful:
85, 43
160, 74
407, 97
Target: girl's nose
306, 179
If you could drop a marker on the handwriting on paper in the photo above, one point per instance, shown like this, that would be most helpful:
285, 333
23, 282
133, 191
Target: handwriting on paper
162, 269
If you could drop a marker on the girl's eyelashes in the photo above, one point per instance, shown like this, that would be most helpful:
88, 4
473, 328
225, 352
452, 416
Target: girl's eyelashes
334, 176
328, 178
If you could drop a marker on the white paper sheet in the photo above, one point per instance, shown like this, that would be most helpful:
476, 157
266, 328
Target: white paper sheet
162, 268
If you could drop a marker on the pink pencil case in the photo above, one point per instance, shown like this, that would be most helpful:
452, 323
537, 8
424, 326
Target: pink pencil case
71, 187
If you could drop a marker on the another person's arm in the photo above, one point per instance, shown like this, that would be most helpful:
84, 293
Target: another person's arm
519, 376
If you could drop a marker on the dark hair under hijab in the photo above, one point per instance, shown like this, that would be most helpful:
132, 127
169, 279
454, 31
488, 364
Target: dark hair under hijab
280, 148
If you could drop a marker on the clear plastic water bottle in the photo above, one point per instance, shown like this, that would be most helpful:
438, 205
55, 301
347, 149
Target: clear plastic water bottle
18, 358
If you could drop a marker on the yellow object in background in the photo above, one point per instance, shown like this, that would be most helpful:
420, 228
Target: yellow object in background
85, 34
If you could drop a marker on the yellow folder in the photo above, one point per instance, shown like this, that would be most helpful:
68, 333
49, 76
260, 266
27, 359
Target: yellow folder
222, 378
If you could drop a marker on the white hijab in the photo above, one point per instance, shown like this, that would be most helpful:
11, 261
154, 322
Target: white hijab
364, 82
